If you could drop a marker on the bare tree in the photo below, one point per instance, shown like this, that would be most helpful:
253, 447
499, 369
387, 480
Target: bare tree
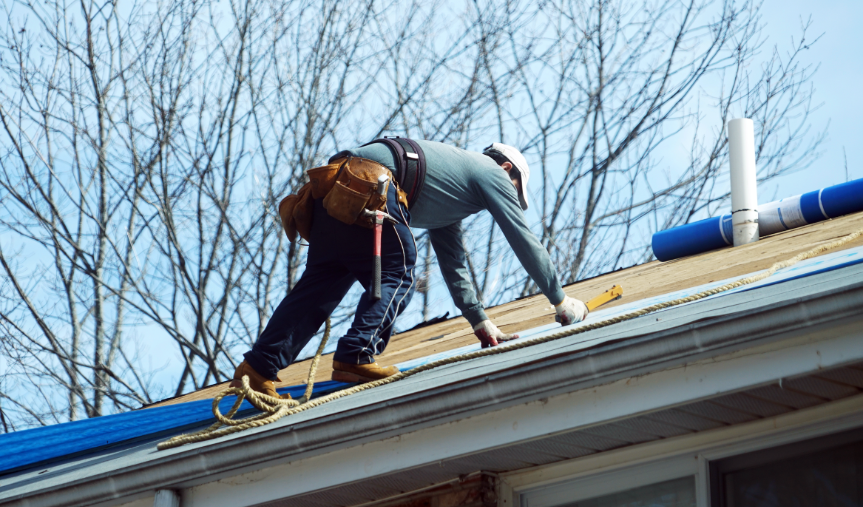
606, 90
146, 146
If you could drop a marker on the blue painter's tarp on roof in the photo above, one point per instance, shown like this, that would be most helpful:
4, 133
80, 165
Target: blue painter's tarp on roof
38, 445
49, 443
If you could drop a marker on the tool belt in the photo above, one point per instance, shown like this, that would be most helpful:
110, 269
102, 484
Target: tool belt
410, 164
347, 185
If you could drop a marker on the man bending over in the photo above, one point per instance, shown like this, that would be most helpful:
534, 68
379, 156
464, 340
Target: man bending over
451, 185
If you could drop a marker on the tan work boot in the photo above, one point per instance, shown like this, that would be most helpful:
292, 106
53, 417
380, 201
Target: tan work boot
257, 381
344, 372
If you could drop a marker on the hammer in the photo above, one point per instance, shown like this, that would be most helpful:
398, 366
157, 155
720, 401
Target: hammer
379, 227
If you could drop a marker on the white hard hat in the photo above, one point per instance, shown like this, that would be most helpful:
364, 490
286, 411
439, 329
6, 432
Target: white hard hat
518, 161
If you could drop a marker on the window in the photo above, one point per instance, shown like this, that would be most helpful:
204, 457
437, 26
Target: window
826, 472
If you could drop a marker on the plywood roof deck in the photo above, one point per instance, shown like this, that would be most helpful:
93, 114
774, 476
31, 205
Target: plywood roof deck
639, 282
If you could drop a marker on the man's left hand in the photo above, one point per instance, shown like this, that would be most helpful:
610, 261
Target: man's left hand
570, 311
489, 335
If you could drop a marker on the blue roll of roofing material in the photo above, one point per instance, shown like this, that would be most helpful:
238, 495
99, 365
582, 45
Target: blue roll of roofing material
789, 213
694, 238
47, 444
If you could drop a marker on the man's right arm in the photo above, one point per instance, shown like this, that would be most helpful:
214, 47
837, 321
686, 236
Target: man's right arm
452, 259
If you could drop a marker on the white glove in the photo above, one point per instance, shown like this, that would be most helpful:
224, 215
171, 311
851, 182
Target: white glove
489, 335
570, 311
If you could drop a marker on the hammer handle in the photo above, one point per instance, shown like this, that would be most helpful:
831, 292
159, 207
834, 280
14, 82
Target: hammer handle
376, 276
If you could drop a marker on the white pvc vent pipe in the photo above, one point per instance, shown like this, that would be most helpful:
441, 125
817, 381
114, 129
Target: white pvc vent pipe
744, 191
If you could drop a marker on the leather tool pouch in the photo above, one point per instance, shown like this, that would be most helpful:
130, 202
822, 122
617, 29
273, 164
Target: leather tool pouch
345, 204
347, 185
355, 189
296, 212
323, 178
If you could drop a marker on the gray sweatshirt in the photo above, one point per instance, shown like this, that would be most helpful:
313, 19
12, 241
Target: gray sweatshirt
459, 183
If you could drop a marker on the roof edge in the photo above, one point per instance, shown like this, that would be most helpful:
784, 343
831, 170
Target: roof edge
697, 337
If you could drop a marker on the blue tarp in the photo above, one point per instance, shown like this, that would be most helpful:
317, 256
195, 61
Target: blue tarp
39, 445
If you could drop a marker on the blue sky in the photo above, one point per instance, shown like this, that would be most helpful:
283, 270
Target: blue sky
839, 53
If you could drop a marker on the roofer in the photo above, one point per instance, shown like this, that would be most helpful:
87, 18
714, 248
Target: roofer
437, 187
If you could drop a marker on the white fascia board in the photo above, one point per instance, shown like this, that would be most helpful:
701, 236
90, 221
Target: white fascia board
824, 348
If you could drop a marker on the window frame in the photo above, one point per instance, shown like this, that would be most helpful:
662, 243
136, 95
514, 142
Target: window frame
601, 484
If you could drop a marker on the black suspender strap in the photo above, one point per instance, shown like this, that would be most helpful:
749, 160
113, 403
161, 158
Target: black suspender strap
410, 164
417, 165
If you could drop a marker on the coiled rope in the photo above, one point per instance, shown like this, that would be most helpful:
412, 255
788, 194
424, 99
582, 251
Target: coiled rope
274, 409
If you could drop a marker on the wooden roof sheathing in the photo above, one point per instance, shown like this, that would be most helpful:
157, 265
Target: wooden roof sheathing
639, 282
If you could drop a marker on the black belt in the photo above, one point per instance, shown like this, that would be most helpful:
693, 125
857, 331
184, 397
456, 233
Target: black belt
410, 165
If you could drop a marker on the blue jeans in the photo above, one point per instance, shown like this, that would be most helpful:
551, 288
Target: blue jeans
339, 255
